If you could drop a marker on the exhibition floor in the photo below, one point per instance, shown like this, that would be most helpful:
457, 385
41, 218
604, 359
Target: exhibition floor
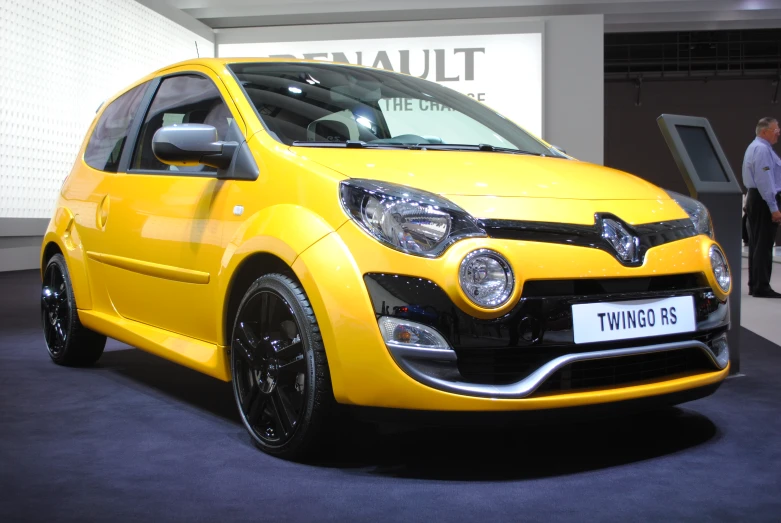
140, 438
761, 315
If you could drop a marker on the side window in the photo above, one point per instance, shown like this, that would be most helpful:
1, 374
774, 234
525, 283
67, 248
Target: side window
181, 99
108, 139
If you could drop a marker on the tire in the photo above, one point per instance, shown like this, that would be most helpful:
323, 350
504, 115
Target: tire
279, 369
68, 341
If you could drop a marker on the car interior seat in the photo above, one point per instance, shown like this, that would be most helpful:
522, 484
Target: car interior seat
219, 117
343, 125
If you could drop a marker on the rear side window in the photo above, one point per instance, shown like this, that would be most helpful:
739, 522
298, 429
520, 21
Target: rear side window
108, 139
181, 99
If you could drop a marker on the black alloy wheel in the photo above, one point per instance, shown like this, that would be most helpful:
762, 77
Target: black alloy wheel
55, 309
68, 341
280, 374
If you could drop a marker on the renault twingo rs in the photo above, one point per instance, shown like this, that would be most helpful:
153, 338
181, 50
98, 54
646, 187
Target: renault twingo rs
323, 234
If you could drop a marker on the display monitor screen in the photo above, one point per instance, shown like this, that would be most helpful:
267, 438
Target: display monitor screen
703, 155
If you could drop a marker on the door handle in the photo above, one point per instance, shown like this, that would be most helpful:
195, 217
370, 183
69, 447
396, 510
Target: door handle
102, 212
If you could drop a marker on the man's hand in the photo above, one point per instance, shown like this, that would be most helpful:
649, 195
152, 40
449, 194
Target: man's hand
776, 216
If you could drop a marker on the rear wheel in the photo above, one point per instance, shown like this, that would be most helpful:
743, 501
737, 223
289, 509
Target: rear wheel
68, 341
279, 369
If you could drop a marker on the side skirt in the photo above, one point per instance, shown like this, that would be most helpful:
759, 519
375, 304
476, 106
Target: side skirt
198, 355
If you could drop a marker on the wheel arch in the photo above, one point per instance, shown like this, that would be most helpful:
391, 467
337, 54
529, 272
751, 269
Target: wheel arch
49, 250
250, 269
62, 237
269, 241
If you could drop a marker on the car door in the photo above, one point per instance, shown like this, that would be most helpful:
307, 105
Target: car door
165, 223
85, 194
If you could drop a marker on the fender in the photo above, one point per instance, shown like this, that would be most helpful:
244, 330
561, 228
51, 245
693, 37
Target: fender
62, 231
335, 288
284, 230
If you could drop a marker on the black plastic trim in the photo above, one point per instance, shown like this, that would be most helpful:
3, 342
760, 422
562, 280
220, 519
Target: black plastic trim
538, 328
538, 321
650, 235
135, 127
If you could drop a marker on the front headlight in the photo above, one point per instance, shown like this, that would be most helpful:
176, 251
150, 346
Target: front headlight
697, 212
720, 268
409, 220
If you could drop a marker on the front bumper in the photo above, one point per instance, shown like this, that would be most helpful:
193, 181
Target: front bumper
531, 350
489, 370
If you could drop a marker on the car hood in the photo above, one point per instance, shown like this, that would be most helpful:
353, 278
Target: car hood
451, 173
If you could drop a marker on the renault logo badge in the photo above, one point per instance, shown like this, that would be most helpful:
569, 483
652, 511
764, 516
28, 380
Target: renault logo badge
626, 245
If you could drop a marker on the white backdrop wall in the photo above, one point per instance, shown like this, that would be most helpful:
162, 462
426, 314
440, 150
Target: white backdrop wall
60, 60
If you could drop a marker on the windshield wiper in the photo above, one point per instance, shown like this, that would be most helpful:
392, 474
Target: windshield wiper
358, 144
324, 143
470, 147
495, 149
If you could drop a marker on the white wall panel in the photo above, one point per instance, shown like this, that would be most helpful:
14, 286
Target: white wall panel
575, 85
60, 60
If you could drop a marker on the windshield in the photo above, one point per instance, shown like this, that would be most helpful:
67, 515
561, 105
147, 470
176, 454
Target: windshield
323, 104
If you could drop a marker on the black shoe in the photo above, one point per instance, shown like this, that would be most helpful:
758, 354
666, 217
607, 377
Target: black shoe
770, 293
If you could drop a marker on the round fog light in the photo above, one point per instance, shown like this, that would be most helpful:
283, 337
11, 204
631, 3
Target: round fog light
486, 278
720, 269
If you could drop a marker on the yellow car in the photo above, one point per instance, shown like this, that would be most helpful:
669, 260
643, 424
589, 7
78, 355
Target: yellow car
323, 234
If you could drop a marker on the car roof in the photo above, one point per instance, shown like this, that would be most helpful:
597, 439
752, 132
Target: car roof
216, 64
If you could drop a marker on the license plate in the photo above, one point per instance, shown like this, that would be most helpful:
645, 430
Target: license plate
623, 320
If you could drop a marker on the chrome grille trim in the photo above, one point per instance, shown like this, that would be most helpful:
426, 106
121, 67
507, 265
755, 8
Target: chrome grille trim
410, 361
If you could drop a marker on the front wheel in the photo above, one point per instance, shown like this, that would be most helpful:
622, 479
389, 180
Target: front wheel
279, 369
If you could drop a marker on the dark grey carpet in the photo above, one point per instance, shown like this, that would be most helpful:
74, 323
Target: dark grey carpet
140, 439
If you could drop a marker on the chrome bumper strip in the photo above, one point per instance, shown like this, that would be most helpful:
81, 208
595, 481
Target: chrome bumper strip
421, 364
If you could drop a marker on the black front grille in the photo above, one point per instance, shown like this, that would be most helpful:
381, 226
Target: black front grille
539, 328
600, 287
647, 235
626, 370
501, 366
